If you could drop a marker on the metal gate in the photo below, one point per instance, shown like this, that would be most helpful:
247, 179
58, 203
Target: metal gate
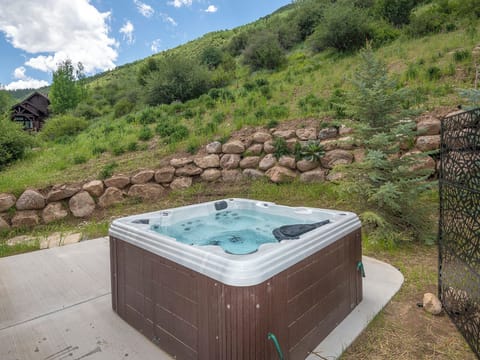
459, 228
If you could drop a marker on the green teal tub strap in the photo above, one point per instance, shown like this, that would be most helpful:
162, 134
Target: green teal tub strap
361, 268
272, 337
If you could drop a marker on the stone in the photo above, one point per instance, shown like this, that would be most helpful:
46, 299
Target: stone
428, 143
26, 218
253, 173
291, 144
329, 144
268, 147
429, 126
30, 200
150, 191
61, 192
307, 165
188, 170
71, 238
142, 177
287, 161
317, 175
421, 162
230, 176
209, 161
81, 204
328, 133
261, 137
117, 181
233, 147
110, 197
306, 134
180, 162
51, 241
336, 157
359, 155
164, 174
250, 162
230, 161
344, 130
181, 183
286, 134
267, 162
6, 201
431, 304
255, 149
4, 225
211, 175
280, 174
53, 212
94, 187
22, 239
345, 143
214, 147
335, 176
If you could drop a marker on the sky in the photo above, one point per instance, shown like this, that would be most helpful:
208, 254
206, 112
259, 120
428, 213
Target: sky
102, 34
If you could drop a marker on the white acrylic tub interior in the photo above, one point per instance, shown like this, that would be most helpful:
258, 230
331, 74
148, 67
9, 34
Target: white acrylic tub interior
236, 270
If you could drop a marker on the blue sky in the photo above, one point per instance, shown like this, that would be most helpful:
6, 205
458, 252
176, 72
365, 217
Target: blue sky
102, 34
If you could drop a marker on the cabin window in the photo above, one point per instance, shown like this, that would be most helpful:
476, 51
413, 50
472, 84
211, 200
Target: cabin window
27, 123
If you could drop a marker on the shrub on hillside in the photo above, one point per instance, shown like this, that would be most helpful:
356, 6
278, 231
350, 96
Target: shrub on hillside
237, 44
123, 107
427, 20
13, 142
396, 11
264, 52
61, 127
211, 56
308, 16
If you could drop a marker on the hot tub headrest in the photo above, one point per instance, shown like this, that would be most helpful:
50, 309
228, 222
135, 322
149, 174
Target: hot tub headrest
221, 205
291, 232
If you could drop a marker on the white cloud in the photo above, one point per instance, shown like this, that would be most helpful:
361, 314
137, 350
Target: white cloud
211, 9
27, 83
180, 3
19, 73
155, 45
144, 9
168, 19
127, 31
56, 30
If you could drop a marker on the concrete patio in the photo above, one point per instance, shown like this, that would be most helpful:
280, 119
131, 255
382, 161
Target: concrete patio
55, 304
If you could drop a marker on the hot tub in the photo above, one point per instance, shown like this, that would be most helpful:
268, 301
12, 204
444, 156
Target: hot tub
213, 280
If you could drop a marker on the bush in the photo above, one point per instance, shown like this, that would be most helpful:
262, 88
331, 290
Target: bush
308, 17
237, 44
264, 52
425, 21
172, 132
63, 126
13, 142
396, 11
123, 107
107, 170
211, 56
147, 116
280, 147
87, 111
145, 134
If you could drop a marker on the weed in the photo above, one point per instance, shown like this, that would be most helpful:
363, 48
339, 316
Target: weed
108, 170
280, 147
145, 134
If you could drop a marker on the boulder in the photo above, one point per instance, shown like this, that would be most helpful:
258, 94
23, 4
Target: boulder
3, 224
307, 165
6, 201
211, 175
343, 130
149, 191
117, 181
180, 162
188, 170
233, 147
53, 212
261, 137
30, 200
428, 143
27, 218
110, 197
181, 183
165, 174
328, 133
230, 176
253, 173
94, 187
209, 161
81, 204
286, 134
214, 147
359, 155
345, 143
280, 174
307, 133
429, 126
255, 149
230, 161
336, 157
287, 161
250, 162
421, 162
329, 144
61, 192
268, 147
267, 162
335, 176
432, 304
142, 177
317, 175
71, 238
291, 144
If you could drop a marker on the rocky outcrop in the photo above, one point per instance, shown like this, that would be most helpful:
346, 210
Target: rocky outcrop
6, 201
30, 200
111, 196
145, 192
81, 205
53, 212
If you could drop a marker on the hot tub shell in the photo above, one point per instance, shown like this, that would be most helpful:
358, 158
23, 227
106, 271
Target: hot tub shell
213, 315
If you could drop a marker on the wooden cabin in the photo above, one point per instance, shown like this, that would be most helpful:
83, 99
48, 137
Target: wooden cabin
31, 112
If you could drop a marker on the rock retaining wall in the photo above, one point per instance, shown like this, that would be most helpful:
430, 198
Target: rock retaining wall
248, 157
